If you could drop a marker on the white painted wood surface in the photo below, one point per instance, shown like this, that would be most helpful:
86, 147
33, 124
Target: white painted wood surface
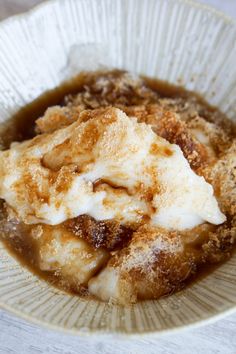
19, 337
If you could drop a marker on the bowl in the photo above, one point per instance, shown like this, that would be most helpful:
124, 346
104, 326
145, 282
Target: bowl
175, 40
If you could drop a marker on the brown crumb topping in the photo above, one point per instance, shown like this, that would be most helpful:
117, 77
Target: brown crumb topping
109, 234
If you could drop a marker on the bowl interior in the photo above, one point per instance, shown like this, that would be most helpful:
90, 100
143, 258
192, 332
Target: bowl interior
178, 41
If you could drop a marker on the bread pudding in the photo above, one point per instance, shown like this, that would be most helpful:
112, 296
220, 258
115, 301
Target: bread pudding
123, 188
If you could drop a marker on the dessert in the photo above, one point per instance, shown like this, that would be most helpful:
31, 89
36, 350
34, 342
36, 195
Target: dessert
124, 192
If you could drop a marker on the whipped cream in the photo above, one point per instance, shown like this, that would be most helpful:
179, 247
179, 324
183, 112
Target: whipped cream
108, 166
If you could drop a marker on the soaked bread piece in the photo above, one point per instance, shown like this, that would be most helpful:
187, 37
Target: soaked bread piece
176, 131
223, 178
55, 253
211, 135
57, 117
169, 126
69, 257
157, 262
144, 269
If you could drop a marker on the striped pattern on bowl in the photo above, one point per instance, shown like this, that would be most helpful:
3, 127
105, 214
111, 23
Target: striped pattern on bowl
178, 41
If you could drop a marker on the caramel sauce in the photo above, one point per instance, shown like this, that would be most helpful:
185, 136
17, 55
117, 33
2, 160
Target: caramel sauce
21, 246
22, 126
97, 185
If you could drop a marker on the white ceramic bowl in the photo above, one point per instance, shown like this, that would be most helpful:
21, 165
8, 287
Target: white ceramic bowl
175, 40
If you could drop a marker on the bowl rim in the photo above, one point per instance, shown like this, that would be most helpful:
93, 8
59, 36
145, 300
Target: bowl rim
118, 333
194, 3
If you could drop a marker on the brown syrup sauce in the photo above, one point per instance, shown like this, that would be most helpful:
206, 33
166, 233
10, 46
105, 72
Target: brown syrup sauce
21, 127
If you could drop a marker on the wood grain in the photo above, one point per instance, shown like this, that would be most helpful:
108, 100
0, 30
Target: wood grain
19, 337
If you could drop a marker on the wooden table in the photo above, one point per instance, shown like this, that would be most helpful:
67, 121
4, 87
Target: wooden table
19, 337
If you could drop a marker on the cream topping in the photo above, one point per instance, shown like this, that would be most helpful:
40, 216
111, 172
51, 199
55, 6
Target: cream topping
108, 166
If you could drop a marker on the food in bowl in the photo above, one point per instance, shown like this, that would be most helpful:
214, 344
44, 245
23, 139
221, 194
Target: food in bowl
126, 191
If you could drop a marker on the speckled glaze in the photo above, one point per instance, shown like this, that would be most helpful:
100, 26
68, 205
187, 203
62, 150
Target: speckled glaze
174, 40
